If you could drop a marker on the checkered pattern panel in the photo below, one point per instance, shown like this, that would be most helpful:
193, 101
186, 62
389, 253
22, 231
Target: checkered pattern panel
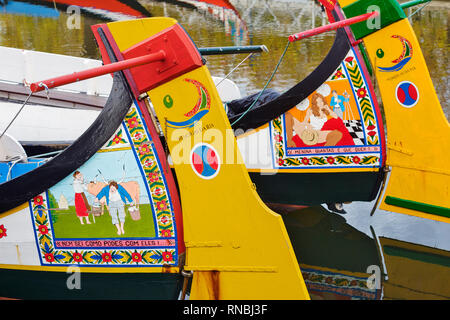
355, 129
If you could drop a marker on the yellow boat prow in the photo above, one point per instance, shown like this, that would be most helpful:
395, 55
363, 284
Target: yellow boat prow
236, 246
418, 133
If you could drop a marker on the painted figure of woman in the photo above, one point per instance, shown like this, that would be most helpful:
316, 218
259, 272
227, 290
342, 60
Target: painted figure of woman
82, 207
116, 197
320, 127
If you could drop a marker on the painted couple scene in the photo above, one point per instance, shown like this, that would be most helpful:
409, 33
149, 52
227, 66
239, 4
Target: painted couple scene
105, 198
112, 195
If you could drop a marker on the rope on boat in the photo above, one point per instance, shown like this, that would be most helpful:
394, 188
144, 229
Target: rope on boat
268, 81
17, 114
232, 70
418, 10
46, 154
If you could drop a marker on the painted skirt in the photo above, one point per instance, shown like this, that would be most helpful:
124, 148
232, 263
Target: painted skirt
81, 205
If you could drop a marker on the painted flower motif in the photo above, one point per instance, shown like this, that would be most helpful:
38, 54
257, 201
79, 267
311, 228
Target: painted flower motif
148, 163
371, 127
349, 59
166, 233
77, 257
338, 74
153, 176
278, 138
49, 257
280, 162
167, 256
164, 219
132, 122
356, 159
330, 160
158, 191
136, 257
43, 229
361, 93
2, 231
106, 257
371, 133
117, 139
144, 149
138, 136
38, 200
305, 161
161, 205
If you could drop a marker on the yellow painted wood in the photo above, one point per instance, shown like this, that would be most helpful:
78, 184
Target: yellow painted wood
412, 278
418, 137
322, 171
225, 209
344, 3
121, 29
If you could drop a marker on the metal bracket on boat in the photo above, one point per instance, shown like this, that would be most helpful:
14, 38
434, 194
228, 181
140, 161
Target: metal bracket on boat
143, 96
386, 170
41, 84
187, 274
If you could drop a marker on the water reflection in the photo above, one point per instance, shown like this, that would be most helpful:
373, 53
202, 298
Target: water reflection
358, 256
43, 27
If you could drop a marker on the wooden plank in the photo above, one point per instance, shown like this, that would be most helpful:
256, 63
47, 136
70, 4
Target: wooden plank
18, 92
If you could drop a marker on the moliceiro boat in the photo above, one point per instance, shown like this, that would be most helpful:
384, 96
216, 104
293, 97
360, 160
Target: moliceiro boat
113, 206
285, 169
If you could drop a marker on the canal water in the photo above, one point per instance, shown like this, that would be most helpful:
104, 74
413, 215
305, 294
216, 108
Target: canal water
342, 256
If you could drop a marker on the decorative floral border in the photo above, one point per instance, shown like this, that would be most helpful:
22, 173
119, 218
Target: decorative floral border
340, 160
161, 203
370, 159
2, 231
346, 285
146, 153
359, 85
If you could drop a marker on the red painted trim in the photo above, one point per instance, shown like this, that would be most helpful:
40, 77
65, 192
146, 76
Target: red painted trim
181, 56
116, 51
173, 190
370, 86
110, 5
98, 71
328, 4
331, 26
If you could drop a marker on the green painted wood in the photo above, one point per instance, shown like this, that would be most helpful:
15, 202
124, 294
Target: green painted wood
390, 12
232, 50
412, 3
418, 206
415, 255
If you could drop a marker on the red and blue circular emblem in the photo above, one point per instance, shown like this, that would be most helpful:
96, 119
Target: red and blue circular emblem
205, 161
407, 94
